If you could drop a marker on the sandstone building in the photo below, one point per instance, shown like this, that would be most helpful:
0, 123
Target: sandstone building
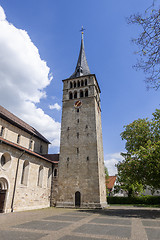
81, 180
31, 178
25, 166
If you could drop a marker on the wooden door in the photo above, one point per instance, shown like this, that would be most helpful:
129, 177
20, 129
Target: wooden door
2, 200
77, 199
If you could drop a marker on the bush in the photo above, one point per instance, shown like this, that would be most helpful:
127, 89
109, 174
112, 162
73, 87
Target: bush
147, 200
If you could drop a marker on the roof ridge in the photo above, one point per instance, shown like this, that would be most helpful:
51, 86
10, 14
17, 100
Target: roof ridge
4, 113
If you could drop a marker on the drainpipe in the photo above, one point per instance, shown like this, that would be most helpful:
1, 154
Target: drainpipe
51, 201
15, 182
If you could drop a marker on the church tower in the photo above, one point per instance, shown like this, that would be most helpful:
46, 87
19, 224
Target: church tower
81, 178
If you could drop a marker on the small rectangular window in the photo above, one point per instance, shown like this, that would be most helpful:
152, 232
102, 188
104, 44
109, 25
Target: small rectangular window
78, 110
30, 144
18, 138
77, 134
2, 131
77, 150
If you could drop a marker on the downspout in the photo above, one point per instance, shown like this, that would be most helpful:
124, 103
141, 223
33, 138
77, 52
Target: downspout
51, 198
15, 182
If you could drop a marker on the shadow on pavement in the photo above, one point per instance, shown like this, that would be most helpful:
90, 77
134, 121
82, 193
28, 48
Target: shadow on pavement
127, 213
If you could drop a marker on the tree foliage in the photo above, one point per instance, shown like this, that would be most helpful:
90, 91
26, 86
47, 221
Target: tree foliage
148, 43
141, 164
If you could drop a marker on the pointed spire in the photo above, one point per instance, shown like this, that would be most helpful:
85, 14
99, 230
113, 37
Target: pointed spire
82, 68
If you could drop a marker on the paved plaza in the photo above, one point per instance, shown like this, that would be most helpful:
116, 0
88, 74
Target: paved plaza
68, 224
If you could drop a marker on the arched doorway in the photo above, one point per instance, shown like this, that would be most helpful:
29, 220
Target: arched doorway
3, 193
77, 199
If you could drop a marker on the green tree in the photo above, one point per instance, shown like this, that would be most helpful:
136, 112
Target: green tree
141, 164
148, 43
106, 178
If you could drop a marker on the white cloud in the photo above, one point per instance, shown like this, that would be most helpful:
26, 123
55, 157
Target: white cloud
23, 77
55, 106
110, 161
2, 14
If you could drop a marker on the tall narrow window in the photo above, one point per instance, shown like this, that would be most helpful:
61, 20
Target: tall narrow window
78, 83
75, 94
81, 93
70, 84
40, 176
74, 84
18, 138
85, 82
30, 144
41, 149
77, 150
77, 120
55, 172
82, 83
86, 93
2, 131
25, 172
77, 134
77, 109
70, 95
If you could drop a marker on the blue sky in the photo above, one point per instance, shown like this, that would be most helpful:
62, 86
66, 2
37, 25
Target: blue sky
53, 27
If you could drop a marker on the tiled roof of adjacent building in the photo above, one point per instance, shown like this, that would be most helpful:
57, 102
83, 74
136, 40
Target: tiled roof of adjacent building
10, 117
110, 181
52, 157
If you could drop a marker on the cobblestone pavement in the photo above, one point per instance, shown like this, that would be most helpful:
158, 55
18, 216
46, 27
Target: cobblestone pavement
119, 223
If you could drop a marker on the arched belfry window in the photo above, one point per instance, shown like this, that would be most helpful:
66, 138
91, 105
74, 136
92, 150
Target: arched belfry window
25, 172
86, 93
74, 84
75, 94
85, 82
70, 95
82, 83
78, 83
81, 93
71, 85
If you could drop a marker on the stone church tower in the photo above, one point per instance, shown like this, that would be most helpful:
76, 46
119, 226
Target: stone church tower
81, 179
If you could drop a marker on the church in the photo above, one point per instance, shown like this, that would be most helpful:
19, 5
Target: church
30, 178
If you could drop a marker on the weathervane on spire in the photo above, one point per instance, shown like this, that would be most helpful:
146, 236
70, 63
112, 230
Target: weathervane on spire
82, 31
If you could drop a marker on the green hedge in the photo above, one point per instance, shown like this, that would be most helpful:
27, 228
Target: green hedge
148, 200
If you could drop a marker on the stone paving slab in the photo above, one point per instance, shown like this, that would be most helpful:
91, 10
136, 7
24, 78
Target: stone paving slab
112, 221
65, 218
77, 213
153, 234
43, 225
67, 237
150, 223
13, 235
123, 232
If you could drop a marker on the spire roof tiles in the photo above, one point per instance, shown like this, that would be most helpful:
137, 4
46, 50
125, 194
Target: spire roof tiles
82, 68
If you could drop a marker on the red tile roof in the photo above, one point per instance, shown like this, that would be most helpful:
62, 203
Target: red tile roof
110, 182
10, 117
2, 140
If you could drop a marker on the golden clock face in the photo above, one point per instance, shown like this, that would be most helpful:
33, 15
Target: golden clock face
77, 104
